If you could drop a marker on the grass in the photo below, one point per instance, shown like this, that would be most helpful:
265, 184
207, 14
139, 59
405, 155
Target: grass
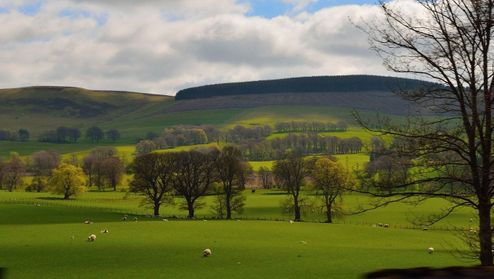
49, 241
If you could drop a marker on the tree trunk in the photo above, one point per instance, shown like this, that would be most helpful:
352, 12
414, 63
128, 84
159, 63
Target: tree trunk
66, 196
485, 233
228, 204
190, 207
296, 209
156, 209
329, 218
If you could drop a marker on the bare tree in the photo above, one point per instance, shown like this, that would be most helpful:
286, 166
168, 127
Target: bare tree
231, 172
13, 171
290, 173
194, 175
43, 162
449, 42
153, 177
112, 169
266, 176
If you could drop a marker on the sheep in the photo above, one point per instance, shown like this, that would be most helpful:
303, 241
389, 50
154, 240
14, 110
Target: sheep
105, 231
291, 222
425, 228
380, 224
87, 222
207, 252
91, 238
430, 250
386, 225
166, 220
135, 218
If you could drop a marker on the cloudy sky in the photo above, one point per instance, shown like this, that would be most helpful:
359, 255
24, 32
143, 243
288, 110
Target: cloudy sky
162, 46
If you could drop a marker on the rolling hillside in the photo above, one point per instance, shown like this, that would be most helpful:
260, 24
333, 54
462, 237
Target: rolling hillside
39, 109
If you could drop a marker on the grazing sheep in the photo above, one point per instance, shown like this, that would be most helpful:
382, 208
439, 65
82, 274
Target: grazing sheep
430, 250
166, 220
91, 238
135, 219
386, 225
207, 252
380, 224
104, 231
291, 222
425, 228
87, 222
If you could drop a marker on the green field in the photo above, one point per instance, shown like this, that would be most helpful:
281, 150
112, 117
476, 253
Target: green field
44, 237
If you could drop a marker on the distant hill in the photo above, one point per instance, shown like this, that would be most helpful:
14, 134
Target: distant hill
71, 101
303, 85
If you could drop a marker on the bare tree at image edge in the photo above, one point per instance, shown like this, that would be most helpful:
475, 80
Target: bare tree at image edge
449, 43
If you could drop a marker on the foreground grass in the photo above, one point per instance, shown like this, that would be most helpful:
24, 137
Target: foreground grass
253, 249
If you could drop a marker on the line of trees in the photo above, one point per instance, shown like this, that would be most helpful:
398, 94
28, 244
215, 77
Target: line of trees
20, 135
310, 126
72, 135
304, 144
191, 175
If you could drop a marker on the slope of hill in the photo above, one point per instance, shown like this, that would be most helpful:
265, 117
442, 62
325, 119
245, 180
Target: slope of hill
303, 85
46, 107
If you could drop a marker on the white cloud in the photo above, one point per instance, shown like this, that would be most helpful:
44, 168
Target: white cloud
163, 46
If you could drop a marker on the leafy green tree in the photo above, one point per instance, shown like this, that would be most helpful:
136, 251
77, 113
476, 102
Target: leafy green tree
331, 179
67, 180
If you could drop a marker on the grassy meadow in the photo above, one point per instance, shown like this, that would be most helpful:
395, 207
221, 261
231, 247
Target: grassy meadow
43, 236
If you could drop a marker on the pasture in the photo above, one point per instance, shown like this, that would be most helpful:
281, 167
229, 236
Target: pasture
43, 236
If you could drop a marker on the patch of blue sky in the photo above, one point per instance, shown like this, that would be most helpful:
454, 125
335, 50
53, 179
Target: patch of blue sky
273, 8
101, 19
4, 10
32, 8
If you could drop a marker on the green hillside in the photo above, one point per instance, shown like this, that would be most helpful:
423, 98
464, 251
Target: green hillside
40, 109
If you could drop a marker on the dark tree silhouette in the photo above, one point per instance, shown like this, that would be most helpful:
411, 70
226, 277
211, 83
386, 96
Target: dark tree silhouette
95, 134
449, 43
194, 175
153, 177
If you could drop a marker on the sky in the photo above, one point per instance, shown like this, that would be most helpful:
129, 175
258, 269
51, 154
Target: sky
162, 46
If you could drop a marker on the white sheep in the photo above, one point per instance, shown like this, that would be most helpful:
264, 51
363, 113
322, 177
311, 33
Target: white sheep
105, 231
91, 238
166, 220
207, 252
291, 222
125, 218
135, 218
87, 222
386, 225
430, 250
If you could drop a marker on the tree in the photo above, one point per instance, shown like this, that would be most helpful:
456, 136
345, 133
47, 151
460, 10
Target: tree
112, 169
290, 173
92, 164
67, 180
43, 162
95, 134
153, 177
13, 171
23, 135
330, 180
266, 177
113, 135
194, 175
231, 171
448, 42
